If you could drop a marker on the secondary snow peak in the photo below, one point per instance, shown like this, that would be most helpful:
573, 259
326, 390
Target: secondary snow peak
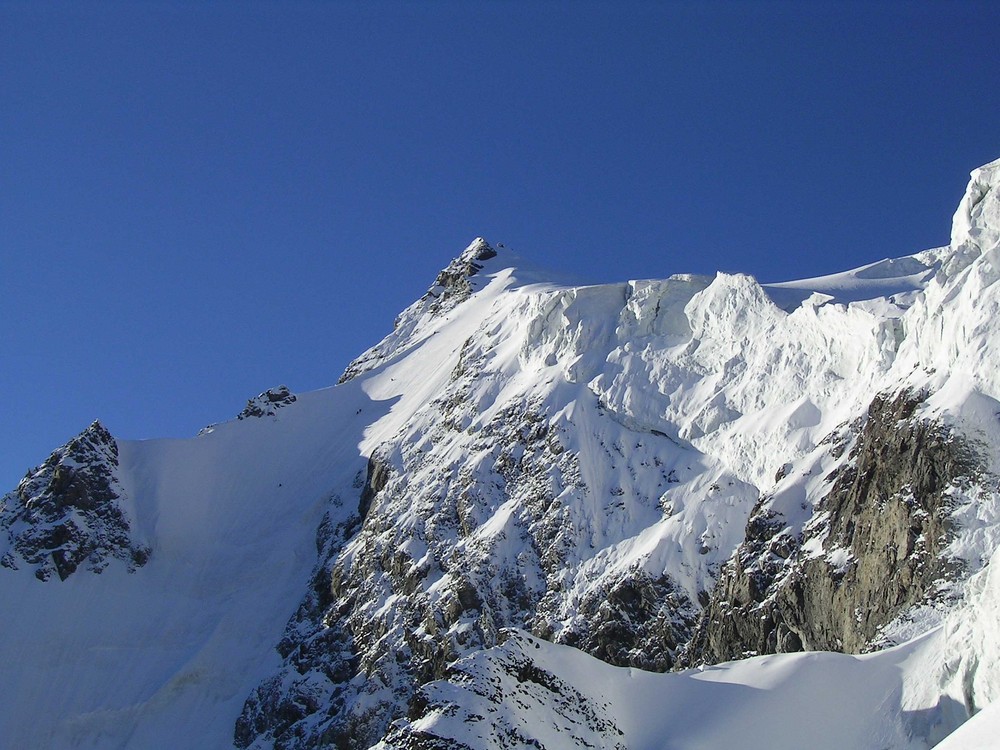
70, 512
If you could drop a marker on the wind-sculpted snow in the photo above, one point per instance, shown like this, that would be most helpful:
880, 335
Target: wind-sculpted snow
962, 669
750, 384
575, 465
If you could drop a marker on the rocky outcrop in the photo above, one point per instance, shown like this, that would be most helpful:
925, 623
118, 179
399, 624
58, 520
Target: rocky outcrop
67, 513
375, 481
637, 621
874, 547
267, 403
475, 695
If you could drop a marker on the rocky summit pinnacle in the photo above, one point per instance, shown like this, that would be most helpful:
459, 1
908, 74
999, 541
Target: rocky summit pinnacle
267, 403
452, 285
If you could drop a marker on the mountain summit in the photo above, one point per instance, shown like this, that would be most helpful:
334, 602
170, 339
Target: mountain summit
692, 511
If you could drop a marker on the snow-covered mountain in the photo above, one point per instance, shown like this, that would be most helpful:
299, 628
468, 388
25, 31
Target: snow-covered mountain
540, 514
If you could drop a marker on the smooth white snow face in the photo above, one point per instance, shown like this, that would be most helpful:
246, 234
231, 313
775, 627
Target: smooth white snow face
981, 732
722, 379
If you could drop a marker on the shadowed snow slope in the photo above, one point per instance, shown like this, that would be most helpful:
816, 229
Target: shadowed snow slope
524, 475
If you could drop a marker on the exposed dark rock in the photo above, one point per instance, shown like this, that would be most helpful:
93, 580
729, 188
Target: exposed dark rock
267, 403
67, 512
874, 548
452, 284
638, 622
378, 476
411, 739
319, 662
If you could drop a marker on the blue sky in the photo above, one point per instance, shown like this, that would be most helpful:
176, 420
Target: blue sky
204, 200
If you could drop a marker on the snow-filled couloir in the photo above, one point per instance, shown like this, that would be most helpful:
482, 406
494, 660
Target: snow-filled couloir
662, 473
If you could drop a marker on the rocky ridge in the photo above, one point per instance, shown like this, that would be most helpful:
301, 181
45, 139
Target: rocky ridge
452, 286
267, 403
476, 692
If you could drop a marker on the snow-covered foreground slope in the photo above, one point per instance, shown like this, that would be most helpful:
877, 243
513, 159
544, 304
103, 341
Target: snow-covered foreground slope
909, 696
657, 473
564, 698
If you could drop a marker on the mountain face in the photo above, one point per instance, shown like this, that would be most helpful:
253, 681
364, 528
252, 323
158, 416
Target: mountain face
549, 515
875, 546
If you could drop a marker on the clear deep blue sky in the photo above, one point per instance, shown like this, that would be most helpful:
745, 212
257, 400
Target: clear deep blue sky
202, 201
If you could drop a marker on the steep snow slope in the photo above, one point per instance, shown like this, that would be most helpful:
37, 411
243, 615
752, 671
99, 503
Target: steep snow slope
575, 461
